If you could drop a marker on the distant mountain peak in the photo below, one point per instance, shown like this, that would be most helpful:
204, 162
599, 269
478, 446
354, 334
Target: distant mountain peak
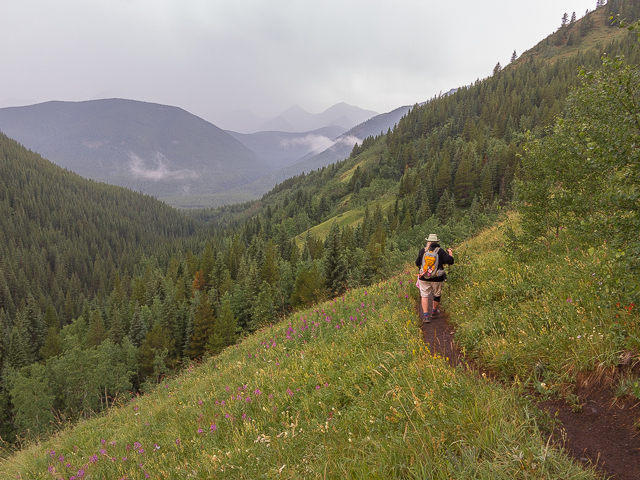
294, 119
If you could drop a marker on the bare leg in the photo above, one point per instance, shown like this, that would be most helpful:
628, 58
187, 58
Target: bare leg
425, 304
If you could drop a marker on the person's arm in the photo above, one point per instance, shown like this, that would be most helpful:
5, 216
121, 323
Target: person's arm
448, 257
419, 259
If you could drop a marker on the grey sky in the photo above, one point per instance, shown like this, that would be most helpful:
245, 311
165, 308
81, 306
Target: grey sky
211, 56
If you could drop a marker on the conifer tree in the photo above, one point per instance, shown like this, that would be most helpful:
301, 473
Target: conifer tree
424, 213
444, 211
270, 271
33, 327
199, 283
117, 331
53, 345
224, 331
444, 174
463, 184
18, 353
207, 265
407, 223
334, 263
188, 332
285, 288
138, 329
374, 260
203, 325
97, 332
309, 286
117, 301
157, 353
366, 223
294, 257
475, 211
263, 311
50, 318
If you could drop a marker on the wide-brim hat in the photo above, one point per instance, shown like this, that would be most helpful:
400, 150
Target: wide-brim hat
432, 238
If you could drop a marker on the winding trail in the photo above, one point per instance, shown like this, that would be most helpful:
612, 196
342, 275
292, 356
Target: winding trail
605, 433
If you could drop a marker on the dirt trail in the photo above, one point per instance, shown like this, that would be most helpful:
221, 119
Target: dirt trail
602, 434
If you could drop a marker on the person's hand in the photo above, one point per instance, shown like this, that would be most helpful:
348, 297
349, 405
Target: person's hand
450, 251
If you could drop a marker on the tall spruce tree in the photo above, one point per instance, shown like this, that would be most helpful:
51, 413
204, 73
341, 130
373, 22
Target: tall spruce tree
157, 353
224, 331
334, 265
117, 330
138, 329
18, 352
53, 344
203, 325
97, 332
263, 311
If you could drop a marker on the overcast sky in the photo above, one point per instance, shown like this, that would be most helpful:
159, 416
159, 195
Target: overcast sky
211, 56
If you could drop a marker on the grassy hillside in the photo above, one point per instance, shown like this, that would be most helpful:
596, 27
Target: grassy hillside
449, 167
564, 316
344, 389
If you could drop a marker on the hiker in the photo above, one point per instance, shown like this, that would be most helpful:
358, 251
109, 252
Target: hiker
431, 261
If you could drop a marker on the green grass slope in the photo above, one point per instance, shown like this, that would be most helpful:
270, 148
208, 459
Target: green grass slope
345, 389
559, 317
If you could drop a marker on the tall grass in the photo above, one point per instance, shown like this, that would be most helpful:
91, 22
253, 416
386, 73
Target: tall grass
560, 315
345, 389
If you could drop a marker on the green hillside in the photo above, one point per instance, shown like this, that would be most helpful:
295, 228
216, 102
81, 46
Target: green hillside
344, 389
106, 293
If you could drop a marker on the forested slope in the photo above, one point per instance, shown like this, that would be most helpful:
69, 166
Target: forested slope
61, 234
448, 167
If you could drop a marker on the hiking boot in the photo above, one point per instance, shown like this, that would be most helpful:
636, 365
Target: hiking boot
425, 319
435, 313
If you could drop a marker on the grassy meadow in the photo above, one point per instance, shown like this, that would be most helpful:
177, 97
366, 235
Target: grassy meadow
564, 316
345, 389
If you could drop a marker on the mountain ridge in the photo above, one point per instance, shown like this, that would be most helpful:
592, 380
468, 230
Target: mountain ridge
152, 148
294, 119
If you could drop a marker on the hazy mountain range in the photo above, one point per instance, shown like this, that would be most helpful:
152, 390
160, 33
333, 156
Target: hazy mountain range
294, 119
281, 149
176, 156
155, 149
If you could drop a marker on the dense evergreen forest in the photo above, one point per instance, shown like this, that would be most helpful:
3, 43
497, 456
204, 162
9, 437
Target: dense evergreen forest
103, 291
